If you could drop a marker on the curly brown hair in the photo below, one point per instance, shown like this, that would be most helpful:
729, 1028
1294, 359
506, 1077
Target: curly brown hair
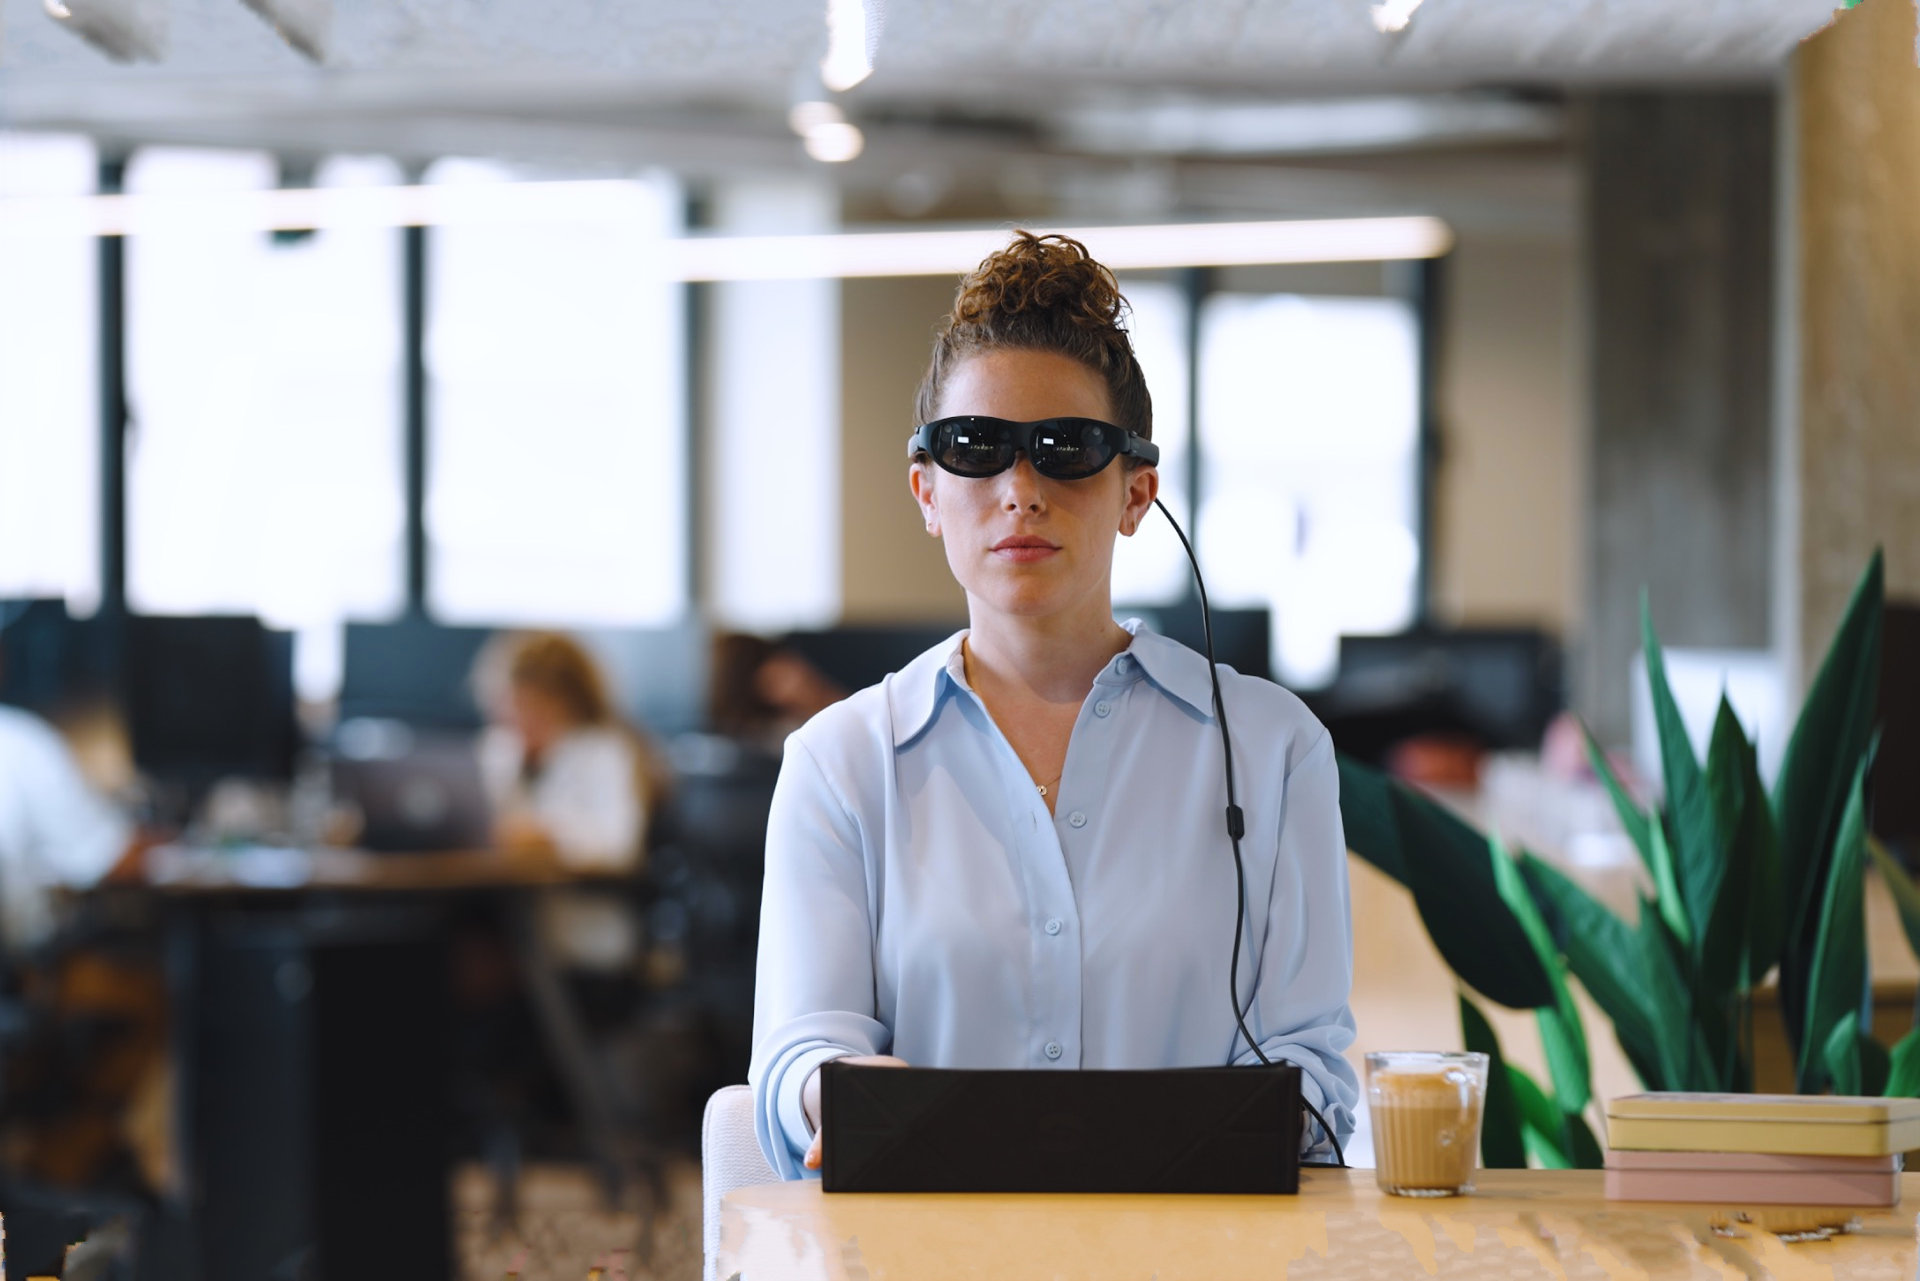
1043, 293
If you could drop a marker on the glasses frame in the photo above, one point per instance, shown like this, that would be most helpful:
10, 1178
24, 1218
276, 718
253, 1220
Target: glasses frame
1019, 438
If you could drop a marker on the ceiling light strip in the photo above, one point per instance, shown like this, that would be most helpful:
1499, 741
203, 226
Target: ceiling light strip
1124, 248
712, 258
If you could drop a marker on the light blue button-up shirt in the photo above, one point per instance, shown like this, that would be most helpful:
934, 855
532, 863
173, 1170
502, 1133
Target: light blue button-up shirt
921, 901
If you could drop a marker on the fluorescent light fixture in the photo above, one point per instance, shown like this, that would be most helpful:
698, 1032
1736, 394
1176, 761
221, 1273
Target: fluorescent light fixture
804, 117
124, 30
835, 144
799, 257
824, 130
303, 24
853, 33
1194, 126
1393, 16
1124, 248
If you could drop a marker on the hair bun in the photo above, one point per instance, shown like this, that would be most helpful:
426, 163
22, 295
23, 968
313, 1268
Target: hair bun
1042, 293
1041, 273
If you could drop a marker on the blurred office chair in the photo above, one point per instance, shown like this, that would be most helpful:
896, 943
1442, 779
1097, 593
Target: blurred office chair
729, 1158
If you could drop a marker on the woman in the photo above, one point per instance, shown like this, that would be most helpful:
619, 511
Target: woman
1012, 853
568, 778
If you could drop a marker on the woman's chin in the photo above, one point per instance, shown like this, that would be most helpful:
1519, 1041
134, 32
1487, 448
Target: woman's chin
1025, 599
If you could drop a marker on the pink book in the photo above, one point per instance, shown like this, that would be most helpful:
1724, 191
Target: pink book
1753, 1178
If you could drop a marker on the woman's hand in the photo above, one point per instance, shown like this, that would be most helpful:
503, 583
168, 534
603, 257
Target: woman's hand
810, 1098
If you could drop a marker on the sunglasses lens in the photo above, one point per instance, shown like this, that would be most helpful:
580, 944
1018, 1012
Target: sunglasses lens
973, 448
1073, 449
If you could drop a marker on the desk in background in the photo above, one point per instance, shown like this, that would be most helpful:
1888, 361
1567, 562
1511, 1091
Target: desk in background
311, 1025
1521, 1224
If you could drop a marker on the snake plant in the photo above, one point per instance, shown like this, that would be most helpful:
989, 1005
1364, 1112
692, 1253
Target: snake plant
1746, 885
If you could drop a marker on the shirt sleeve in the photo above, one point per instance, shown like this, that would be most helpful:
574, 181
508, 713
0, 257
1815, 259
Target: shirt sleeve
814, 989
1300, 1011
78, 835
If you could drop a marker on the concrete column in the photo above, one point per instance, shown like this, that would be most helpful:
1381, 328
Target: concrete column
1680, 235
1851, 436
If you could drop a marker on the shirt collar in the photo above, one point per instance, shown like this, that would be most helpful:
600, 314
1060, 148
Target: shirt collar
915, 692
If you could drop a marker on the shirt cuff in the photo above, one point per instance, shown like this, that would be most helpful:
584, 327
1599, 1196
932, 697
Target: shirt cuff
793, 1117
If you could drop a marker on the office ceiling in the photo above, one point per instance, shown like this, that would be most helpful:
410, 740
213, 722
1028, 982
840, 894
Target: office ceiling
1142, 101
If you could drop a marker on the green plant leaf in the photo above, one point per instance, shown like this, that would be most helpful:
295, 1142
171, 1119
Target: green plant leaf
1502, 1146
1442, 861
1366, 812
1691, 833
1540, 1120
1561, 1034
1452, 882
1601, 953
1666, 994
1839, 971
1585, 1150
1821, 757
1634, 819
1721, 950
1756, 845
1906, 894
1841, 1054
1903, 1077
1876, 1066
1668, 902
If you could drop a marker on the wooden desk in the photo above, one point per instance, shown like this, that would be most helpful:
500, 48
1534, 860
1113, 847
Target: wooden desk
311, 1020
173, 869
1521, 1223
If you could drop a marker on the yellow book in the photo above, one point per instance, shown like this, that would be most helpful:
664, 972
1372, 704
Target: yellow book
1812, 1125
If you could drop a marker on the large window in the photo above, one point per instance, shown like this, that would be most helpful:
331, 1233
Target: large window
556, 446
264, 451
49, 380
1309, 430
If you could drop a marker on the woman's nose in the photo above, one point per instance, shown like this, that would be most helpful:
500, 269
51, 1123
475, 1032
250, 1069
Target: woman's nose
1022, 489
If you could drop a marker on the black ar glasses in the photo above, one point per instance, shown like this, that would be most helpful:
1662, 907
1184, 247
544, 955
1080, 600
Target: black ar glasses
1061, 448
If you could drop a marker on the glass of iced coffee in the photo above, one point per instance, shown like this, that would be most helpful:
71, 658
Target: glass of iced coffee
1426, 1109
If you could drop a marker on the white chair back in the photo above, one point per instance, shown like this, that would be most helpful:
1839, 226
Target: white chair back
729, 1158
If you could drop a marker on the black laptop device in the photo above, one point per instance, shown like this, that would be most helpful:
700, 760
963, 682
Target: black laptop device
1220, 1130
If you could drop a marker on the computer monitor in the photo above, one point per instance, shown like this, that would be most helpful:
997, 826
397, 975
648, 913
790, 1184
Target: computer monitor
1242, 638
857, 656
36, 642
414, 671
1499, 686
209, 698
658, 674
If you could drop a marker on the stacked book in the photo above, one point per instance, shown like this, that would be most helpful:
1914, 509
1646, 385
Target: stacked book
1759, 1149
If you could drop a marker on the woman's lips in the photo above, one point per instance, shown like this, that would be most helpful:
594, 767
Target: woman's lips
1024, 551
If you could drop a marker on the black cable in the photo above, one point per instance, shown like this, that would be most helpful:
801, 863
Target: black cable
1236, 828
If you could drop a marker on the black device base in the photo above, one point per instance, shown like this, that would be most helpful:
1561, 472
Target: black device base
1219, 1130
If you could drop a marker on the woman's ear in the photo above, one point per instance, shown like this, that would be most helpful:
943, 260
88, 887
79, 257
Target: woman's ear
920, 481
1143, 486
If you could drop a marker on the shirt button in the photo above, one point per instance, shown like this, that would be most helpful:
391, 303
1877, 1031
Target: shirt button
1077, 819
1102, 708
1123, 664
1053, 1050
1053, 925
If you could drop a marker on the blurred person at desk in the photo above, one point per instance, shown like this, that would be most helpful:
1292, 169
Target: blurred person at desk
760, 690
56, 832
570, 780
1011, 852
68, 1115
567, 776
